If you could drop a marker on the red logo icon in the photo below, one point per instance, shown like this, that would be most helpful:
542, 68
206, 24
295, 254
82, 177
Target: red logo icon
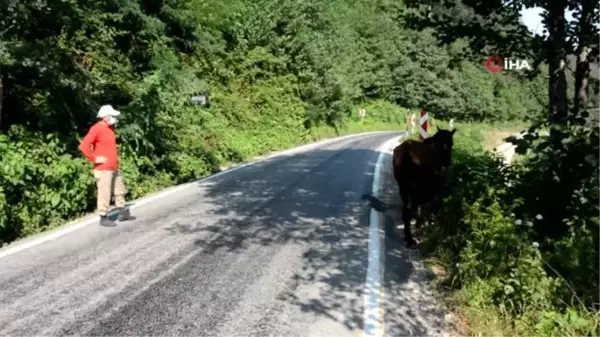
494, 64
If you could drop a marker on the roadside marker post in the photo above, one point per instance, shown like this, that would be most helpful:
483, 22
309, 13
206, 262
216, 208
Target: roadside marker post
423, 124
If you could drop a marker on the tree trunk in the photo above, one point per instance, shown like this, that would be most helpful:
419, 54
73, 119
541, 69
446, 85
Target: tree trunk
582, 72
558, 108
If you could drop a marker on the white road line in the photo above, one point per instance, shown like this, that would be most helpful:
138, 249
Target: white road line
77, 224
373, 315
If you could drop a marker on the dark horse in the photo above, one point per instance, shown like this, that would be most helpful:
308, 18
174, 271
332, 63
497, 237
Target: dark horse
419, 169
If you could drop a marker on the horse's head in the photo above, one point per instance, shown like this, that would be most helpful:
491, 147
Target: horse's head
443, 142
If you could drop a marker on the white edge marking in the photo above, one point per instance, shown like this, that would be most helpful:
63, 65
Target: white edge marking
373, 305
78, 224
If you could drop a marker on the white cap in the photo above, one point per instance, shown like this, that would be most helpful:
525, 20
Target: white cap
107, 110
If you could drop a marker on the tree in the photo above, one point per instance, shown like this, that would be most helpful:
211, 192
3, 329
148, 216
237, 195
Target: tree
587, 49
490, 26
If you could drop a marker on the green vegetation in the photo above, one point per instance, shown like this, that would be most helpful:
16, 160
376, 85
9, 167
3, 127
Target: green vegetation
286, 72
520, 244
278, 74
520, 250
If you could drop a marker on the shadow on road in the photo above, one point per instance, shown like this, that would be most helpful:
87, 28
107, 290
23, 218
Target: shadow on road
311, 200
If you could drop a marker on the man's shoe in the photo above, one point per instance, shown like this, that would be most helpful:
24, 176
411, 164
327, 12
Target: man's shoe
124, 215
106, 222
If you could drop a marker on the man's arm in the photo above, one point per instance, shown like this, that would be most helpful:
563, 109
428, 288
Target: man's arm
86, 144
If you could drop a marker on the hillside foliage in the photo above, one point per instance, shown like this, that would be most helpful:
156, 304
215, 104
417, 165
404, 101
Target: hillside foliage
274, 72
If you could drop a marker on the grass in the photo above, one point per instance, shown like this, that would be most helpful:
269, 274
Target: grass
468, 317
474, 305
477, 136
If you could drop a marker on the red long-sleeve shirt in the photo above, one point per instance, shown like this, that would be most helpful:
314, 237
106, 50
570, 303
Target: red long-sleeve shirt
104, 142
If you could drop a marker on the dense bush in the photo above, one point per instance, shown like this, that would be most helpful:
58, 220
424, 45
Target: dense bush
522, 240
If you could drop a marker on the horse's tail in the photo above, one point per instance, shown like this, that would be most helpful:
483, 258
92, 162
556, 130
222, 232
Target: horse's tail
376, 203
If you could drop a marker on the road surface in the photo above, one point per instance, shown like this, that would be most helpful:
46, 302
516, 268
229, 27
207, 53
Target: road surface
277, 248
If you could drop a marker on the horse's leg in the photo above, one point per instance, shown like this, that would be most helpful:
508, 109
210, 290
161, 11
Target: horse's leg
425, 212
434, 201
417, 206
420, 218
407, 215
404, 174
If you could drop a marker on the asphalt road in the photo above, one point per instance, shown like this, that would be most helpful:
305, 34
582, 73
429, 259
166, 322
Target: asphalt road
278, 248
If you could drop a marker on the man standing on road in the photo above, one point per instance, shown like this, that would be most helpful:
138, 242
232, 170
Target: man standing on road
100, 147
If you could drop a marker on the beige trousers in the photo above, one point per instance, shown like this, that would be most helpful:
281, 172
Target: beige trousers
108, 182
